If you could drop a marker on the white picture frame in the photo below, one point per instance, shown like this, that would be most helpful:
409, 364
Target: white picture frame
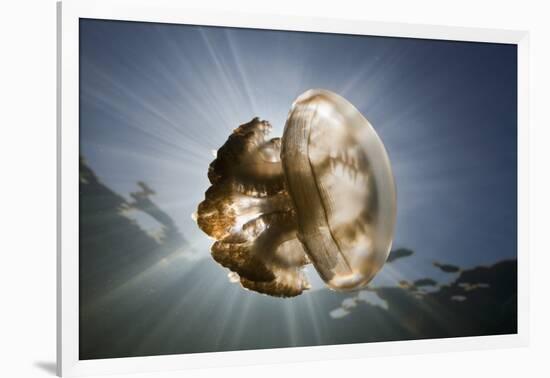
69, 13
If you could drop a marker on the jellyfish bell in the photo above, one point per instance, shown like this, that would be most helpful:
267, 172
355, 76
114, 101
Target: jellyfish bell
323, 194
339, 177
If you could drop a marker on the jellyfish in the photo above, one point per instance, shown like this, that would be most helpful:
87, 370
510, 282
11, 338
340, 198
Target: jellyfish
323, 194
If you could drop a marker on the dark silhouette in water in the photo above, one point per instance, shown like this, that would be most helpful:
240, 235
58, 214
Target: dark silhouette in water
142, 201
113, 248
141, 296
447, 268
424, 282
398, 254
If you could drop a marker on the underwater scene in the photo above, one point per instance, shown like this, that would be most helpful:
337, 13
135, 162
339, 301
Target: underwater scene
249, 189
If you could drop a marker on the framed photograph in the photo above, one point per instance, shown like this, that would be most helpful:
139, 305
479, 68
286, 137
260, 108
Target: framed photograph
251, 188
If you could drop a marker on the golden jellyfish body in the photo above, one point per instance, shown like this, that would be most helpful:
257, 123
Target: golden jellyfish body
323, 194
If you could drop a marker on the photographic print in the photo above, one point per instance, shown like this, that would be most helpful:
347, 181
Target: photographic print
249, 189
